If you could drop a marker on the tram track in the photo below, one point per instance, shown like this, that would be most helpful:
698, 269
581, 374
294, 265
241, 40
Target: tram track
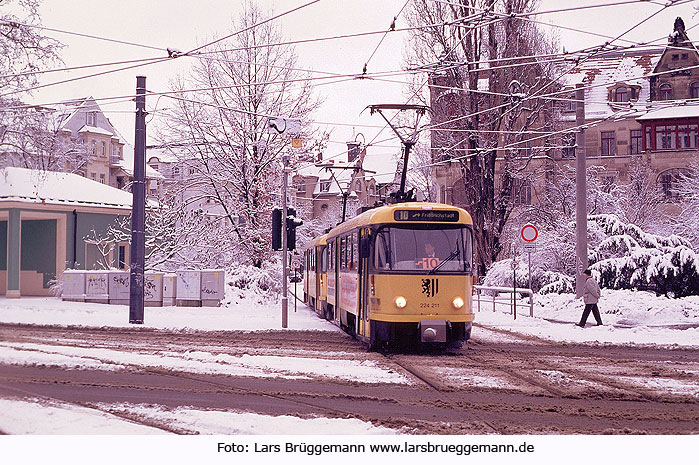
564, 388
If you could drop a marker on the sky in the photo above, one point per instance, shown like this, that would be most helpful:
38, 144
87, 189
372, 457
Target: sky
184, 25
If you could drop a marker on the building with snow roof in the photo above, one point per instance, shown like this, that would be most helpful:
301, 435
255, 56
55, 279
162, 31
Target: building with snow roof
105, 155
46, 221
640, 103
322, 190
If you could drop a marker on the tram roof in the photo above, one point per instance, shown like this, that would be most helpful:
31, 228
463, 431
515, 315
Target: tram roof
320, 240
385, 214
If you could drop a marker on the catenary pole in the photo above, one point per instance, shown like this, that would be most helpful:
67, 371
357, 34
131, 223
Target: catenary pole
580, 191
138, 208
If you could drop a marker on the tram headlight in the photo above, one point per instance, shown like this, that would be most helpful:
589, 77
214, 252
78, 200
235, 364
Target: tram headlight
458, 302
400, 302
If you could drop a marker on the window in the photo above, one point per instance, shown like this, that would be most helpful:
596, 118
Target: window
402, 249
176, 171
372, 190
675, 56
608, 182
621, 94
102, 178
91, 118
93, 176
325, 186
122, 257
569, 104
636, 141
665, 137
694, 90
665, 92
568, 145
191, 171
358, 186
687, 136
104, 149
608, 143
685, 56
93, 147
668, 180
521, 192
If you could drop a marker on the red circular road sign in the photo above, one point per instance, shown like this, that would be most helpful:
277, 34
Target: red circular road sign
529, 233
514, 264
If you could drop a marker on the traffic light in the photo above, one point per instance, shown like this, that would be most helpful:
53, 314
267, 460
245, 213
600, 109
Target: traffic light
277, 229
291, 224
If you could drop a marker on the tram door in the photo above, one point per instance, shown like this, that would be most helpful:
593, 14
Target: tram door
363, 312
319, 271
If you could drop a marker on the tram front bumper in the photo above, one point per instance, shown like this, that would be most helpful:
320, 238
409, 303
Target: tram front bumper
433, 331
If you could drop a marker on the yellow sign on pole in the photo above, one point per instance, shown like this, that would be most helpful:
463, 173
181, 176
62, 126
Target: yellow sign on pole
296, 142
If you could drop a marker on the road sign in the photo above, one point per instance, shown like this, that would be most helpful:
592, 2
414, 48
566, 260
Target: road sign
529, 233
295, 263
529, 247
514, 264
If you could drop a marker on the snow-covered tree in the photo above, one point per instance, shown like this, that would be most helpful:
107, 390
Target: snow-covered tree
219, 132
25, 50
471, 47
687, 222
629, 258
26, 136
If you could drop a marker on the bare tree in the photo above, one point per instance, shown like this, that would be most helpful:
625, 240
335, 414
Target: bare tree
26, 136
220, 132
31, 138
483, 67
25, 50
687, 222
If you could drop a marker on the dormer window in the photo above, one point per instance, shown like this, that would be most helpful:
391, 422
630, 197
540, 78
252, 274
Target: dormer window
325, 186
665, 92
621, 94
90, 118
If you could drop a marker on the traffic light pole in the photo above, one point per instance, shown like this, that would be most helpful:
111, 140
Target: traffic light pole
285, 258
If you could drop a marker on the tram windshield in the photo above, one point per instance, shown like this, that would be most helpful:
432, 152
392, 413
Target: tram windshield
424, 251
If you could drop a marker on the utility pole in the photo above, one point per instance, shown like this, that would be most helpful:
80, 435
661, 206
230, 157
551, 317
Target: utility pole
138, 208
580, 192
285, 255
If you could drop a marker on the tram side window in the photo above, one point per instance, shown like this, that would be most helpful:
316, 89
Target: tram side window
355, 252
343, 254
382, 247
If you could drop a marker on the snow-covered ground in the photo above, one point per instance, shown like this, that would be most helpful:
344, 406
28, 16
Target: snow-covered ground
629, 318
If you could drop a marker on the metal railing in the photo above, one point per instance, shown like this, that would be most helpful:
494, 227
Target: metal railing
497, 299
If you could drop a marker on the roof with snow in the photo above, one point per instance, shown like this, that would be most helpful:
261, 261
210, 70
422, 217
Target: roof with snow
56, 188
673, 109
604, 71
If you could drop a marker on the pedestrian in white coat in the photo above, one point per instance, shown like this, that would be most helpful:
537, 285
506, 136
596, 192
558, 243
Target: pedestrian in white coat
591, 295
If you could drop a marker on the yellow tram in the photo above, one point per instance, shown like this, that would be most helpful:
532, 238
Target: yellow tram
315, 283
398, 274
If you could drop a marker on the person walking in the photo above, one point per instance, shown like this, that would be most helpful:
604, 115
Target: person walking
591, 295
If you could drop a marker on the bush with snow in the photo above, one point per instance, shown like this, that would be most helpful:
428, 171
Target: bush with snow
623, 256
543, 280
242, 281
629, 258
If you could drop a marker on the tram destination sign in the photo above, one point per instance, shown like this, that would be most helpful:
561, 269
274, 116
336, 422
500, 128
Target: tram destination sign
445, 216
